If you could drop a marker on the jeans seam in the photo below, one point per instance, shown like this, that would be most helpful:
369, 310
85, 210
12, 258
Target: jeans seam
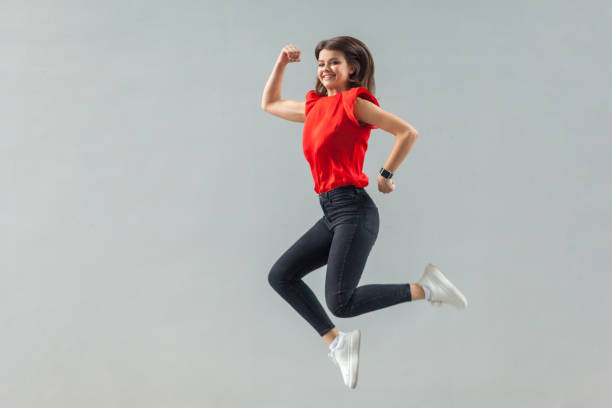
311, 311
342, 269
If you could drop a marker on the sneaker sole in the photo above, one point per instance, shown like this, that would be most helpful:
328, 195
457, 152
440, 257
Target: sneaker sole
355, 345
439, 275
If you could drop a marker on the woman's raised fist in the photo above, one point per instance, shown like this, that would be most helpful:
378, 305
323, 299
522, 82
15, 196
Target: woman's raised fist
289, 53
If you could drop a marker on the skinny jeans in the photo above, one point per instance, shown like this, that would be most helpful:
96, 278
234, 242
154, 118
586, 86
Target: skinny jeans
341, 239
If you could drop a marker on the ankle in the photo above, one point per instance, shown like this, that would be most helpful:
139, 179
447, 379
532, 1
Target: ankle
330, 336
417, 292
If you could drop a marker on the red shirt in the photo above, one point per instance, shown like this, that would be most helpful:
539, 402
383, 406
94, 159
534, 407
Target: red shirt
334, 142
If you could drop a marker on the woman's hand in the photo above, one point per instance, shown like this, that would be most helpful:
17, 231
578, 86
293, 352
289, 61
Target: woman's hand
385, 185
289, 53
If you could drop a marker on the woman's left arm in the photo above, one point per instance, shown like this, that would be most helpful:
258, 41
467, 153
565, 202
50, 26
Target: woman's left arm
405, 134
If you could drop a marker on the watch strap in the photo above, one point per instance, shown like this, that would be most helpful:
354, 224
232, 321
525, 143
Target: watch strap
385, 173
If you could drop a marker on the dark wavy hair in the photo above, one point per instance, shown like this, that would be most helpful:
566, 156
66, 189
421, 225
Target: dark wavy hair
357, 55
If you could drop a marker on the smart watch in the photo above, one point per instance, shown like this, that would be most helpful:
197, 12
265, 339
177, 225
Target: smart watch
385, 173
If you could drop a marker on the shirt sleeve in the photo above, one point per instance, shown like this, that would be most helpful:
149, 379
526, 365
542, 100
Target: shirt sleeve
349, 103
311, 98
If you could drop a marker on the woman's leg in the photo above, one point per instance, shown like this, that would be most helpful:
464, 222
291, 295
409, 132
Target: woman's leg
307, 254
349, 251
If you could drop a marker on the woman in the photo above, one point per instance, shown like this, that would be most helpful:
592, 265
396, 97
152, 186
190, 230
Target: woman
338, 116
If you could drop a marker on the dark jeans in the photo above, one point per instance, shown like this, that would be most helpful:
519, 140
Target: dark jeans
342, 239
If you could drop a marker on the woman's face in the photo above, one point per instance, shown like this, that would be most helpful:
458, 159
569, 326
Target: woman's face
333, 71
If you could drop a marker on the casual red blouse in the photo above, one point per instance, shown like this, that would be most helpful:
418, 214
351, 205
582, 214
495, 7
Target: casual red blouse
334, 142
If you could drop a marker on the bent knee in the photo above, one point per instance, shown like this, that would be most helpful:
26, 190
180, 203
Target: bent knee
276, 275
340, 312
337, 308
273, 278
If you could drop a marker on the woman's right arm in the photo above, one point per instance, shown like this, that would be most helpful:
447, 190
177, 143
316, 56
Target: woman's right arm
271, 101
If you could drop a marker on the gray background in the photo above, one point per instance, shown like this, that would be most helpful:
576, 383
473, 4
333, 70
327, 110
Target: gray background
148, 195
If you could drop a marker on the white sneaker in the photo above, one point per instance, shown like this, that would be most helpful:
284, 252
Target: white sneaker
346, 356
442, 290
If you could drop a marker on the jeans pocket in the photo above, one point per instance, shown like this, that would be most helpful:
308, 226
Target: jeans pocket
371, 220
365, 200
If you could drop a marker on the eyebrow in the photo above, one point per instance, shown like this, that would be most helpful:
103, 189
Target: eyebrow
329, 59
